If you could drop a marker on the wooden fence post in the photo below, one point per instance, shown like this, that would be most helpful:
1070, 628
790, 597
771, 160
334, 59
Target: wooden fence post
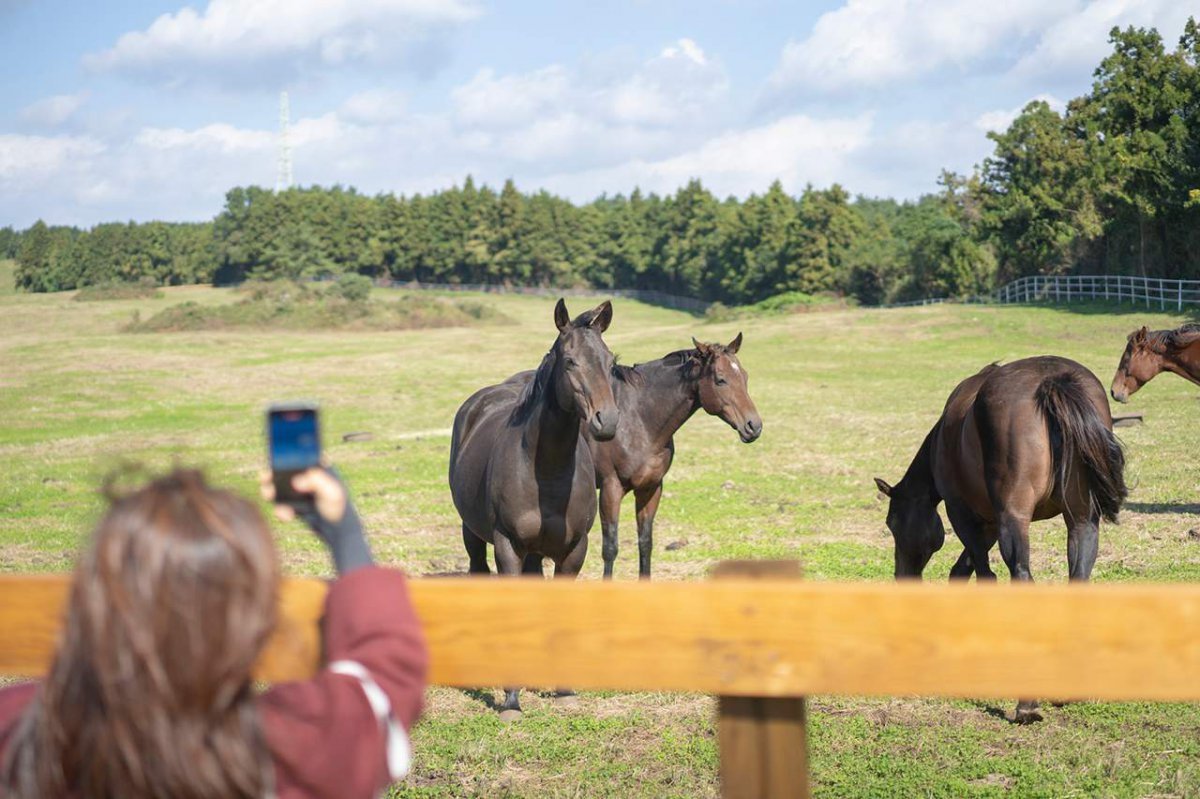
763, 741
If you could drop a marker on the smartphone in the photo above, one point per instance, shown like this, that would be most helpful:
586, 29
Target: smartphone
293, 444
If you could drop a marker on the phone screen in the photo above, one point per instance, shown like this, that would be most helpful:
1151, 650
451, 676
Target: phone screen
294, 441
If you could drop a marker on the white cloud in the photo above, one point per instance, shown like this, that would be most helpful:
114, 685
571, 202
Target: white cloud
1076, 43
218, 137
554, 115
50, 112
796, 149
1000, 119
502, 101
374, 105
676, 86
686, 48
25, 159
263, 42
874, 43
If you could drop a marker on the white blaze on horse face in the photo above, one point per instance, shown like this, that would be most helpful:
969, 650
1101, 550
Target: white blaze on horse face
736, 368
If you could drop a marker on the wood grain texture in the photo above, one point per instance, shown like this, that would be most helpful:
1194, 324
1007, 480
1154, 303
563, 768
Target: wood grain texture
788, 638
754, 638
763, 741
31, 609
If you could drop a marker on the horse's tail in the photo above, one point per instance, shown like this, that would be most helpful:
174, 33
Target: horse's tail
1076, 427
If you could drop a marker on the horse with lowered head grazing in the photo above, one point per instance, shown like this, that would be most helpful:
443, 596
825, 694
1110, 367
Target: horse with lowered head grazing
1149, 352
1017, 443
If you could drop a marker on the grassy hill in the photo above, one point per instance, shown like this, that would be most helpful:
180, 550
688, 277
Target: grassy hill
845, 395
7, 274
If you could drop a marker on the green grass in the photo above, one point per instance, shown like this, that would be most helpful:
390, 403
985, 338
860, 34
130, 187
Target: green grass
286, 305
845, 395
8, 271
118, 291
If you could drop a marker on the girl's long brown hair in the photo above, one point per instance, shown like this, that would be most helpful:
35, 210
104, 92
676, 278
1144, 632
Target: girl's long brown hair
150, 693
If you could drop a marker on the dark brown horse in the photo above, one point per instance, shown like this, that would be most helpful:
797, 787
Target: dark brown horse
521, 473
1017, 443
1149, 352
655, 399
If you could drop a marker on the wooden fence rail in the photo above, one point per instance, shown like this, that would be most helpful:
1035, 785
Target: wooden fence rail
770, 639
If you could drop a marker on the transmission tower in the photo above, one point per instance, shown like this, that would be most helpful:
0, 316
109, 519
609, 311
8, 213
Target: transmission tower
283, 177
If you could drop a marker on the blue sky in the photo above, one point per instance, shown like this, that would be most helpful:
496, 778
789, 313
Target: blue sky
152, 110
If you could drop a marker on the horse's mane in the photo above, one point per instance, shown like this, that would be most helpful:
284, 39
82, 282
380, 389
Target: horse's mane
535, 389
1183, 336
1163, 341
627, 374
690, 360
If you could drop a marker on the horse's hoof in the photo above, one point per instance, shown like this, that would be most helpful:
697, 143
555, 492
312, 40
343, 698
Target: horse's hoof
566, 701
509, 715
1026, 716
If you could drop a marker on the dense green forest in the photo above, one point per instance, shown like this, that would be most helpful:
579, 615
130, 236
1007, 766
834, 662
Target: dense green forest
1112, 185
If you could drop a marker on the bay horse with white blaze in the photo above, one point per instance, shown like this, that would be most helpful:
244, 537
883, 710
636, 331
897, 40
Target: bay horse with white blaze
1021, 442
1149, 352
655, 399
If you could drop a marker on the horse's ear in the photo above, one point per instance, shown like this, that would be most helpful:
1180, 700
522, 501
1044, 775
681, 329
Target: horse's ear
602, 316
561, 317
701, 348
1141, 334
883, 486
736, 344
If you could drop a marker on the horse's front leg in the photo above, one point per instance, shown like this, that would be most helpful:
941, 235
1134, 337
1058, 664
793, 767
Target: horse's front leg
963, 568
611, 494
568, 568
647, 507
476, 550
972, 532
509, 562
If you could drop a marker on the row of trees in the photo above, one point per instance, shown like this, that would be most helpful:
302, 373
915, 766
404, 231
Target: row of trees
689, 243
1111, 185
56, 258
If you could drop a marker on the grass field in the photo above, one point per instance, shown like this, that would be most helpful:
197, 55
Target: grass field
845, 395
7, 276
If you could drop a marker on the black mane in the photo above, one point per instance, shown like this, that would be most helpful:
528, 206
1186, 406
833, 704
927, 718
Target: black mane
535, 389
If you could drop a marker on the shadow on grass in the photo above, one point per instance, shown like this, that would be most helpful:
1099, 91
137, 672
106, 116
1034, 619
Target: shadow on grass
1163, 507
484, 696
997, 712
994, 711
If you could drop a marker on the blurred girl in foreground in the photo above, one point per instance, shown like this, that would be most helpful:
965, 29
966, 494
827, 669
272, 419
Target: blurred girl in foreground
150, 693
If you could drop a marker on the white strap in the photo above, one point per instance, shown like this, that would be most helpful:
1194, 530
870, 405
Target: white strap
399, 752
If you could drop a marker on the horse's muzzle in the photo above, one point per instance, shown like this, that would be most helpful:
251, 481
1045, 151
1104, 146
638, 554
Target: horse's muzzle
603, 425
751, 430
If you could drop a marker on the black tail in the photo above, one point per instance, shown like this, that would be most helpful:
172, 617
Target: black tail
1075, 426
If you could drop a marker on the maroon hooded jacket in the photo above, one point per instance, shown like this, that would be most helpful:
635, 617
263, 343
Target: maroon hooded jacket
325, 736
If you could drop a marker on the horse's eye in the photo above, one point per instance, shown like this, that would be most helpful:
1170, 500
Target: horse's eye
720, 381
570, 363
